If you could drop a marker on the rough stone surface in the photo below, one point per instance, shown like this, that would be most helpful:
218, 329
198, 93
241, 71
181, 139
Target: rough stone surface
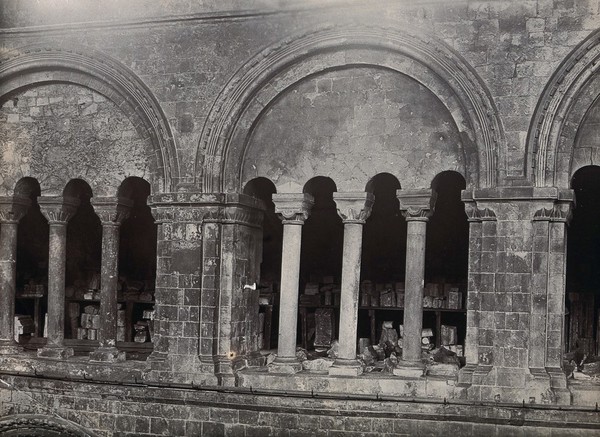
349, 122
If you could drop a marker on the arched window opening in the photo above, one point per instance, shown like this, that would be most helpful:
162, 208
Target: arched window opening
31, 303
270, 267
82, 270
320, 268
446, 267
383, 260
137, 266
583, 264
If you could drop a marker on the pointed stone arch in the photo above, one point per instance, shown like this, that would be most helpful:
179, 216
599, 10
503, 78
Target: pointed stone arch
41, 64
429, 61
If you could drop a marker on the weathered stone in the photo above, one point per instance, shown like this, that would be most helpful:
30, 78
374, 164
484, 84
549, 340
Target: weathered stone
318, 364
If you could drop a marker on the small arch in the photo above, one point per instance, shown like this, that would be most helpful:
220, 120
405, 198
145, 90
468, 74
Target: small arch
83, 254
270, 263
32, 263
381, 180
78, 188
446, 255
582, 297
137, 259
28, 187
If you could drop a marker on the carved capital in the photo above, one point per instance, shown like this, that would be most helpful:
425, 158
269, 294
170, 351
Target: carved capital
354, 207
242, 215
293, 208
58, 209
418, 204
13, 208
162, 214
111, 210
475, 214
560, 212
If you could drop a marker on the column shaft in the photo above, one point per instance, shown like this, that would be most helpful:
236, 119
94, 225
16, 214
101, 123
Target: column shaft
349, 290
413, 301
8, 255
109, 276
290, 275
56, 284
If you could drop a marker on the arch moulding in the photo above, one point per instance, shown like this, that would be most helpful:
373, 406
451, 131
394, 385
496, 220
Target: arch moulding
36, 65
255, 85
561, 109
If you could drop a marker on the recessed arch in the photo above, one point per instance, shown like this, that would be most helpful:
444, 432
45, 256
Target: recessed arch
260, 81
40, 64
567, 98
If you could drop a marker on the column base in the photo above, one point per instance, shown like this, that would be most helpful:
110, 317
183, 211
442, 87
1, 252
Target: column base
409, 369
56, 352
285, 366
9, 347
344, 367
107, 355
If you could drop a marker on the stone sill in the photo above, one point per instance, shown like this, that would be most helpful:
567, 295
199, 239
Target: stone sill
373, 384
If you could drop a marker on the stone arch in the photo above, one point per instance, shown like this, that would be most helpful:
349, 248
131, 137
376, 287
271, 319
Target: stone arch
38, 425
37, 65
262, 79
571, 92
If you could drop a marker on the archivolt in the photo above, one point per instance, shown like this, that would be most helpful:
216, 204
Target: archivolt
32, 65
559, 113
38, 425
474, 112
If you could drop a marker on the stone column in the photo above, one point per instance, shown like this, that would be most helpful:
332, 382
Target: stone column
112, 211
58, 211
294, 210
12, 209
354, 209
416, 206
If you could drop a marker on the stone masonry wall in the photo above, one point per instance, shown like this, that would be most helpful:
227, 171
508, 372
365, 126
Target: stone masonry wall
351, 124
59, 132
137, 410
513, 45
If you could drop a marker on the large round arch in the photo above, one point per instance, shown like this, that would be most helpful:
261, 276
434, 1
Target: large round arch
572, 91
432, 63
37, 65
38, 425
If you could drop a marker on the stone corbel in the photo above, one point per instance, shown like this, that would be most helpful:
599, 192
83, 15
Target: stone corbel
417, 204
293, 208
111, 210
13, 208
354, 207
59, 209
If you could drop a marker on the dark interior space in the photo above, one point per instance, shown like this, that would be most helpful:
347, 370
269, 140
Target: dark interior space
84, 253
32, 264
137, 264
270, 267
137, 247
446, 257
583, 263
322, 235
384, 249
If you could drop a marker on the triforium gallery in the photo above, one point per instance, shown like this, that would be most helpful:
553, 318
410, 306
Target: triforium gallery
299, 218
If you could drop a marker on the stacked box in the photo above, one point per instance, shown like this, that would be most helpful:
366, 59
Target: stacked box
121, 318
120, 333
448, 334
455, 300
